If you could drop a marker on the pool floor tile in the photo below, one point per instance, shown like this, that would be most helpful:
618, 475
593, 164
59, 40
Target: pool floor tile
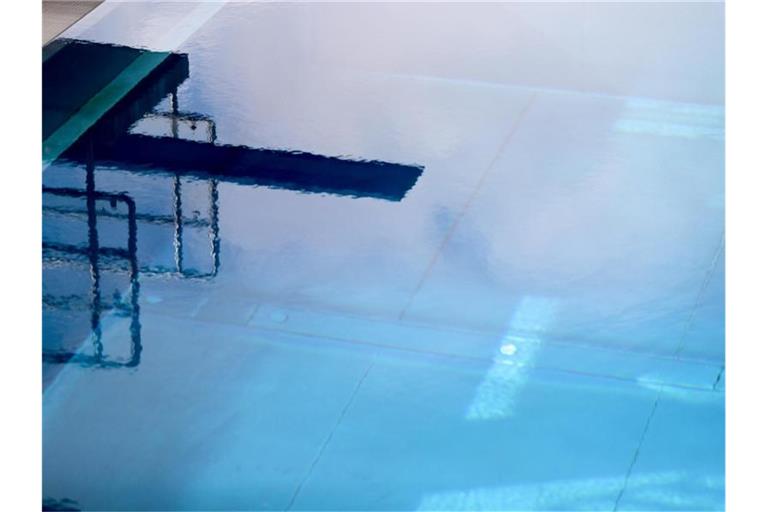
677, 469
532, 320
561, 244
704, 338
231, 431
425, 436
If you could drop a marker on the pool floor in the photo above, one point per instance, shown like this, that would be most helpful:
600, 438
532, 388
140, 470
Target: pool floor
385, 257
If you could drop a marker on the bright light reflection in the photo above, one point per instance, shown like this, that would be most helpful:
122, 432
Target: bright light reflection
649, 491
508, 350
669, 119
495, 396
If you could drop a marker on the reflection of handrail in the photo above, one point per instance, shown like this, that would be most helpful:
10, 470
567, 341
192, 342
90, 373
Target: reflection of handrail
147, 218
191, 117
93, 252
95, 194
212, 223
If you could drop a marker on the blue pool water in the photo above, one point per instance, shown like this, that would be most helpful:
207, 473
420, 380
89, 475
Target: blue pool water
390, 257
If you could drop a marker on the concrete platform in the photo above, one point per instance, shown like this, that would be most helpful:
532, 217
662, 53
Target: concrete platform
59, 15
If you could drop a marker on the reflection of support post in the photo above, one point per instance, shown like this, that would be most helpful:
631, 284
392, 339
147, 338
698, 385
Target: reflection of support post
135, 327
213, 189
212, 132
178, 222
175, 115
213, 213
178, 225
93, 253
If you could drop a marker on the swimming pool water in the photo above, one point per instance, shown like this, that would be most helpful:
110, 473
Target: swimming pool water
391, 257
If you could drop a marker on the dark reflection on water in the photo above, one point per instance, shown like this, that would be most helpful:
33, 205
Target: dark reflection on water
74, 71
292, 170
97, 257
57, 505
181, 147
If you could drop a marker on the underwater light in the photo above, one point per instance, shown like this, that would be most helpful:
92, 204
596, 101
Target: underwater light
508, 350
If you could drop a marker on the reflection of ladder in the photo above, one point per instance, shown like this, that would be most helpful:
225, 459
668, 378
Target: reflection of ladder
179, 222
176, 118
98, 258
176, 220
112, 258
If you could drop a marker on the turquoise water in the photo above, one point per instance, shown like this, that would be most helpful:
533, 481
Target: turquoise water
391, 257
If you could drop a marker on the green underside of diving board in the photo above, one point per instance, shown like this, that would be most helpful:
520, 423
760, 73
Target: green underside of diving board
93, 110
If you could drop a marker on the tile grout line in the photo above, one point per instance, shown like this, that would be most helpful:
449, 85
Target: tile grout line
477, 359
712, 107
719, 378
464, 357
579, 344
467, 204
329, 437
700, 296
637, 450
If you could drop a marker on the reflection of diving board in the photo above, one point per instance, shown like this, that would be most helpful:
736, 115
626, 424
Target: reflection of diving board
105, 89
280, 169
117, 145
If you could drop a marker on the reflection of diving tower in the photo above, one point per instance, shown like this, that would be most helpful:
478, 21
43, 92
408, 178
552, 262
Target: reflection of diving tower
99, 258
139, 137
88, 205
